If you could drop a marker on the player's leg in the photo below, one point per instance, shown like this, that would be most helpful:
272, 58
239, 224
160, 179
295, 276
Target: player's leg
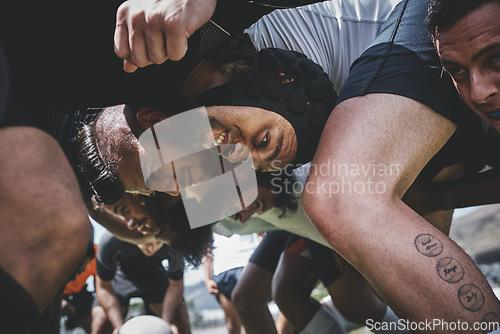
43, 219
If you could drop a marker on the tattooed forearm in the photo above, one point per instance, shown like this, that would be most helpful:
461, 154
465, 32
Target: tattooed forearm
450, 270
493, 322
471, 297
428, 245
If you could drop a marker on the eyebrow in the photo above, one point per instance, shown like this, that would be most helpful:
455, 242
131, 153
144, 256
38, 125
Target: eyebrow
486, 50
446, 62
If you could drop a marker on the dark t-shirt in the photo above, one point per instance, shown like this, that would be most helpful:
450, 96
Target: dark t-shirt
114, 254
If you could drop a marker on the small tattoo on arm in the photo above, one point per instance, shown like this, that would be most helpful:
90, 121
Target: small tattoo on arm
428, 245
492, 320
471, 297
450, 270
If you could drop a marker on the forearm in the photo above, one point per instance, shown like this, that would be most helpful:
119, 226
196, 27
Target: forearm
208, 266
172, 300
110, 303
481, 189
117, 225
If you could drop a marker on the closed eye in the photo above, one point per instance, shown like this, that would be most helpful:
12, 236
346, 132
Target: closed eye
456, 71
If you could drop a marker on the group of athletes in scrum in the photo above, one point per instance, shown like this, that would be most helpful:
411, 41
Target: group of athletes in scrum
390, 80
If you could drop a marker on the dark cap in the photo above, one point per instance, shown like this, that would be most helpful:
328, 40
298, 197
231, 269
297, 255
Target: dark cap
303, 95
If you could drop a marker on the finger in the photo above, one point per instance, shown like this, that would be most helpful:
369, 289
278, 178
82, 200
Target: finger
177, 44
138, 48
121, 34
155, 42
129, 67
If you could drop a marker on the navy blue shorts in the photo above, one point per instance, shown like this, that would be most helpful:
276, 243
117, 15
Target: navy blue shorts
226, 281
402, 60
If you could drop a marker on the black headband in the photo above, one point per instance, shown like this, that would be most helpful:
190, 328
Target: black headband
305, 101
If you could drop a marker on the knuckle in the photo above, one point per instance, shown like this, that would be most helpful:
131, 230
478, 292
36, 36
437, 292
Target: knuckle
137, 20
157, 59
173, 23
121, 52
155, 18
122, 11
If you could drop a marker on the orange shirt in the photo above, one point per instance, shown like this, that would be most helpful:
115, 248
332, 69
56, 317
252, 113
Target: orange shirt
78, 283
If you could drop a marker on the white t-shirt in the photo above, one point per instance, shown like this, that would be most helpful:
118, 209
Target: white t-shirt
332, 33
297, 222
232, 252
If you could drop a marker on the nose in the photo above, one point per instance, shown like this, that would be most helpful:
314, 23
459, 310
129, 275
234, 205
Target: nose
240, 153
482, 86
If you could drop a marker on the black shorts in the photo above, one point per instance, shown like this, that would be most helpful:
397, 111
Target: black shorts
267, 254
151, 289
322, 257
402, 60
226, 281
17, 309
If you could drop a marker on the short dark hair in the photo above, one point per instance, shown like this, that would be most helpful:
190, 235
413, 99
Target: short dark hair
444, 13
96, 177
191, 243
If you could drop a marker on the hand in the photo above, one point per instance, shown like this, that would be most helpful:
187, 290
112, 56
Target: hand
116, 330
152, 31
212, 287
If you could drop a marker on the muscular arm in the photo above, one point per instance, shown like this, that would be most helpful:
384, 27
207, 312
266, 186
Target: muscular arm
172, 300
109, 302
402, 256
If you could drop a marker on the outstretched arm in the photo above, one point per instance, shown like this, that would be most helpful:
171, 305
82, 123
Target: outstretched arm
172, 306
109, 302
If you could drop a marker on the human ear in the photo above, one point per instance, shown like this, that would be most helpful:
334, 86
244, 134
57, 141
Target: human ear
147, 116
